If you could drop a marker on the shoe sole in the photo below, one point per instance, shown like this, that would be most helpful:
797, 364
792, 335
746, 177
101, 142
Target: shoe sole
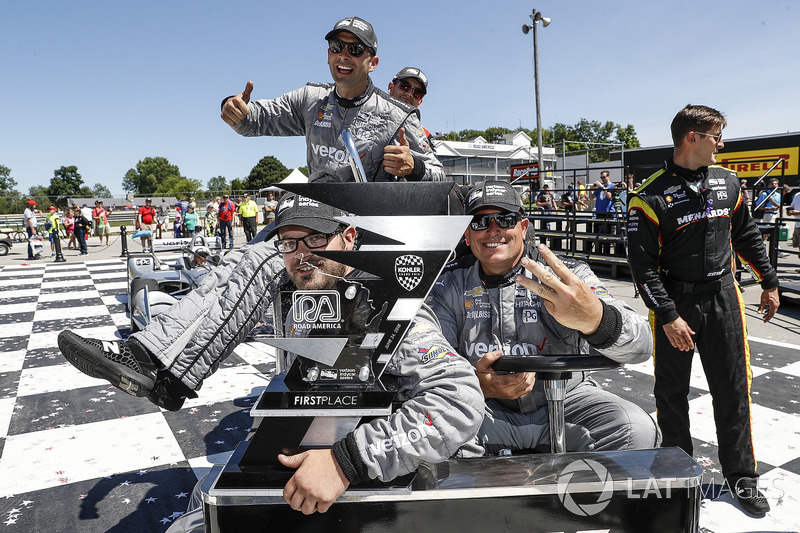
118, 375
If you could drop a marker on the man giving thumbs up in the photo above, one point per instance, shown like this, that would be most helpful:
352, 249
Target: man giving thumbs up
387, 133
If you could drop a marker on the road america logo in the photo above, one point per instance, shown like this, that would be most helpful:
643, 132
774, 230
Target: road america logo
408, 269
593, 470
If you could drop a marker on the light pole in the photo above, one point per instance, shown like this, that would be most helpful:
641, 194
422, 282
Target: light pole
536, 16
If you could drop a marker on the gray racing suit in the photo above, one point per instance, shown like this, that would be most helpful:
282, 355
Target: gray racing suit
481, 313
443, 405
317, 112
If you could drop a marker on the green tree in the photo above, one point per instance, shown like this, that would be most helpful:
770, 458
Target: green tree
627, 136
7, 183
66, 182
38, 193
304, 170
178, 186
100, 191
10, 198
267, 172
237, 186
150, 173
590, 134
218, 185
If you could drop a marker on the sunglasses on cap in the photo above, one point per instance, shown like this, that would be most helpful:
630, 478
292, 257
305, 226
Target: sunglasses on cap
355, 49
407, 87
503, 220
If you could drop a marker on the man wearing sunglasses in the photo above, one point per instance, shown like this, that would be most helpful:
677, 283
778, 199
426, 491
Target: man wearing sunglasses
388, 134
514, 298
684, 224
166, 364
410, 85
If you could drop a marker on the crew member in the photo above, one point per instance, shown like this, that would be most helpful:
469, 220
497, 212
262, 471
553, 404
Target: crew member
513, 298
684, 224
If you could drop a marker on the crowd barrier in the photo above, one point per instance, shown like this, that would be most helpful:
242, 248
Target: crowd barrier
596, 238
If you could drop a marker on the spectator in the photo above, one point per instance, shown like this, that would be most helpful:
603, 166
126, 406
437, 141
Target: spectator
545, 202
177, 225
52, 224
211, 221
745, 194
86, 211
82, 228
144, 222
768, 203
583, 197
248, 210
190, 222
100, 218
237, 217
269, 207
226, 210
794, 211
29, 217
604, 197
162, 218
69, 227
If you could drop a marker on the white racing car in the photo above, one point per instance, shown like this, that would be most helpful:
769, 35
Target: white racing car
154, 285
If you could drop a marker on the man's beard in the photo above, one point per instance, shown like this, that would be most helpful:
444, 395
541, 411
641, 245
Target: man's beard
324, 276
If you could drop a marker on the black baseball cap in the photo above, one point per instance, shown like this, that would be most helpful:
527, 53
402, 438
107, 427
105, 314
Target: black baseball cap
360, 28
417, 74
499, 194
295, 210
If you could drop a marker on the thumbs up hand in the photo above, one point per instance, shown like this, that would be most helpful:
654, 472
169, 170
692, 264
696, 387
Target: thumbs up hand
397, 160
235, 108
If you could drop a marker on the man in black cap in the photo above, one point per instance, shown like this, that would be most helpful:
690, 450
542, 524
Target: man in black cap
165, 364
512, 297
388, 136
410, 85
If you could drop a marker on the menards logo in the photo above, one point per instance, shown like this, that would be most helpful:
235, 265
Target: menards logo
753, 163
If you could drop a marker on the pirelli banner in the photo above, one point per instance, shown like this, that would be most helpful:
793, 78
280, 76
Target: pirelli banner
754, 163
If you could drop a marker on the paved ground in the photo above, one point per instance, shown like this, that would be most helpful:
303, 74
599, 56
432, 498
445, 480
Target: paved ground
77, 455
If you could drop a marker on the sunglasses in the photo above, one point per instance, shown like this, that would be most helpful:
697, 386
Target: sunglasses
717, 138
407, 87
503, 220
354, 49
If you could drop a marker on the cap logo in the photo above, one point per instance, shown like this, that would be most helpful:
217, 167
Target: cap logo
408, 269
494, 190
307, 202
359, 24
286, 204
475, 195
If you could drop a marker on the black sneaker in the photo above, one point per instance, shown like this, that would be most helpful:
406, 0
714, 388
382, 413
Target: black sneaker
169, 393
126, 365
750, 498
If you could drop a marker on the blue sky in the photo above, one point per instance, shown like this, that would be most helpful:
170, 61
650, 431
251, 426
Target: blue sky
102, 85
